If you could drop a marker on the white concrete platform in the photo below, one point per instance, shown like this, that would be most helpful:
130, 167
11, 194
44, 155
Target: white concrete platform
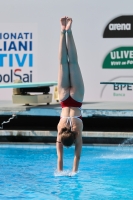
22, 137
89, 134
114, 109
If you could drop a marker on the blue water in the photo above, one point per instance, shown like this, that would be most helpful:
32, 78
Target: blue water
29, 172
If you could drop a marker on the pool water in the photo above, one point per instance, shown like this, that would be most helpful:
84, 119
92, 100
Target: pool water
29, 172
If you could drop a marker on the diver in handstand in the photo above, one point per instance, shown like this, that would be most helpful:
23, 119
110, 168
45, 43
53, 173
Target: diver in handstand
71, 92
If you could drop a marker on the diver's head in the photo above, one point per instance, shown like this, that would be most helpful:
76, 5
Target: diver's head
67, 136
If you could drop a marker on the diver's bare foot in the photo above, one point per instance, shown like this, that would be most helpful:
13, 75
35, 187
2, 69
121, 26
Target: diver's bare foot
63, 24
68, 24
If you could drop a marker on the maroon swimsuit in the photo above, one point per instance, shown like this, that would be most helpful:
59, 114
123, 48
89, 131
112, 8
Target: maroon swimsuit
70, 102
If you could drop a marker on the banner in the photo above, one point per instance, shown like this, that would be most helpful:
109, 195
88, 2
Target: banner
103, 35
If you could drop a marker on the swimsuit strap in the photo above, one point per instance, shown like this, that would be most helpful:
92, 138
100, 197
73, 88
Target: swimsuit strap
68, 120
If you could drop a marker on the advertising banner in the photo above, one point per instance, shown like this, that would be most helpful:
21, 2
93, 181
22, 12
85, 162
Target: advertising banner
103, 34
18, 54
120, 59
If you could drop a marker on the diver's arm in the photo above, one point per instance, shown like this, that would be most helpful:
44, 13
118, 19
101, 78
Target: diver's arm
59, 148
78, 148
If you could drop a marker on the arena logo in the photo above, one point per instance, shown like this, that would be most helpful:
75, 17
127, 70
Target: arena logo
119, 58
120, 27
16, 74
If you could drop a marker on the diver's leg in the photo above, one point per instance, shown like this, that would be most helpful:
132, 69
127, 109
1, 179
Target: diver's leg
63, 74
76, 80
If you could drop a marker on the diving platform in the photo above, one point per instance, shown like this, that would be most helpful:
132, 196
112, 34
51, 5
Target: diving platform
89, 109
104, 122
30, 93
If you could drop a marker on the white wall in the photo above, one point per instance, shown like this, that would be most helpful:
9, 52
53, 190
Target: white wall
89, 21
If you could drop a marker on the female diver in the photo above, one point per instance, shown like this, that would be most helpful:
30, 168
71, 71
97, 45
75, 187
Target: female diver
71, 92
